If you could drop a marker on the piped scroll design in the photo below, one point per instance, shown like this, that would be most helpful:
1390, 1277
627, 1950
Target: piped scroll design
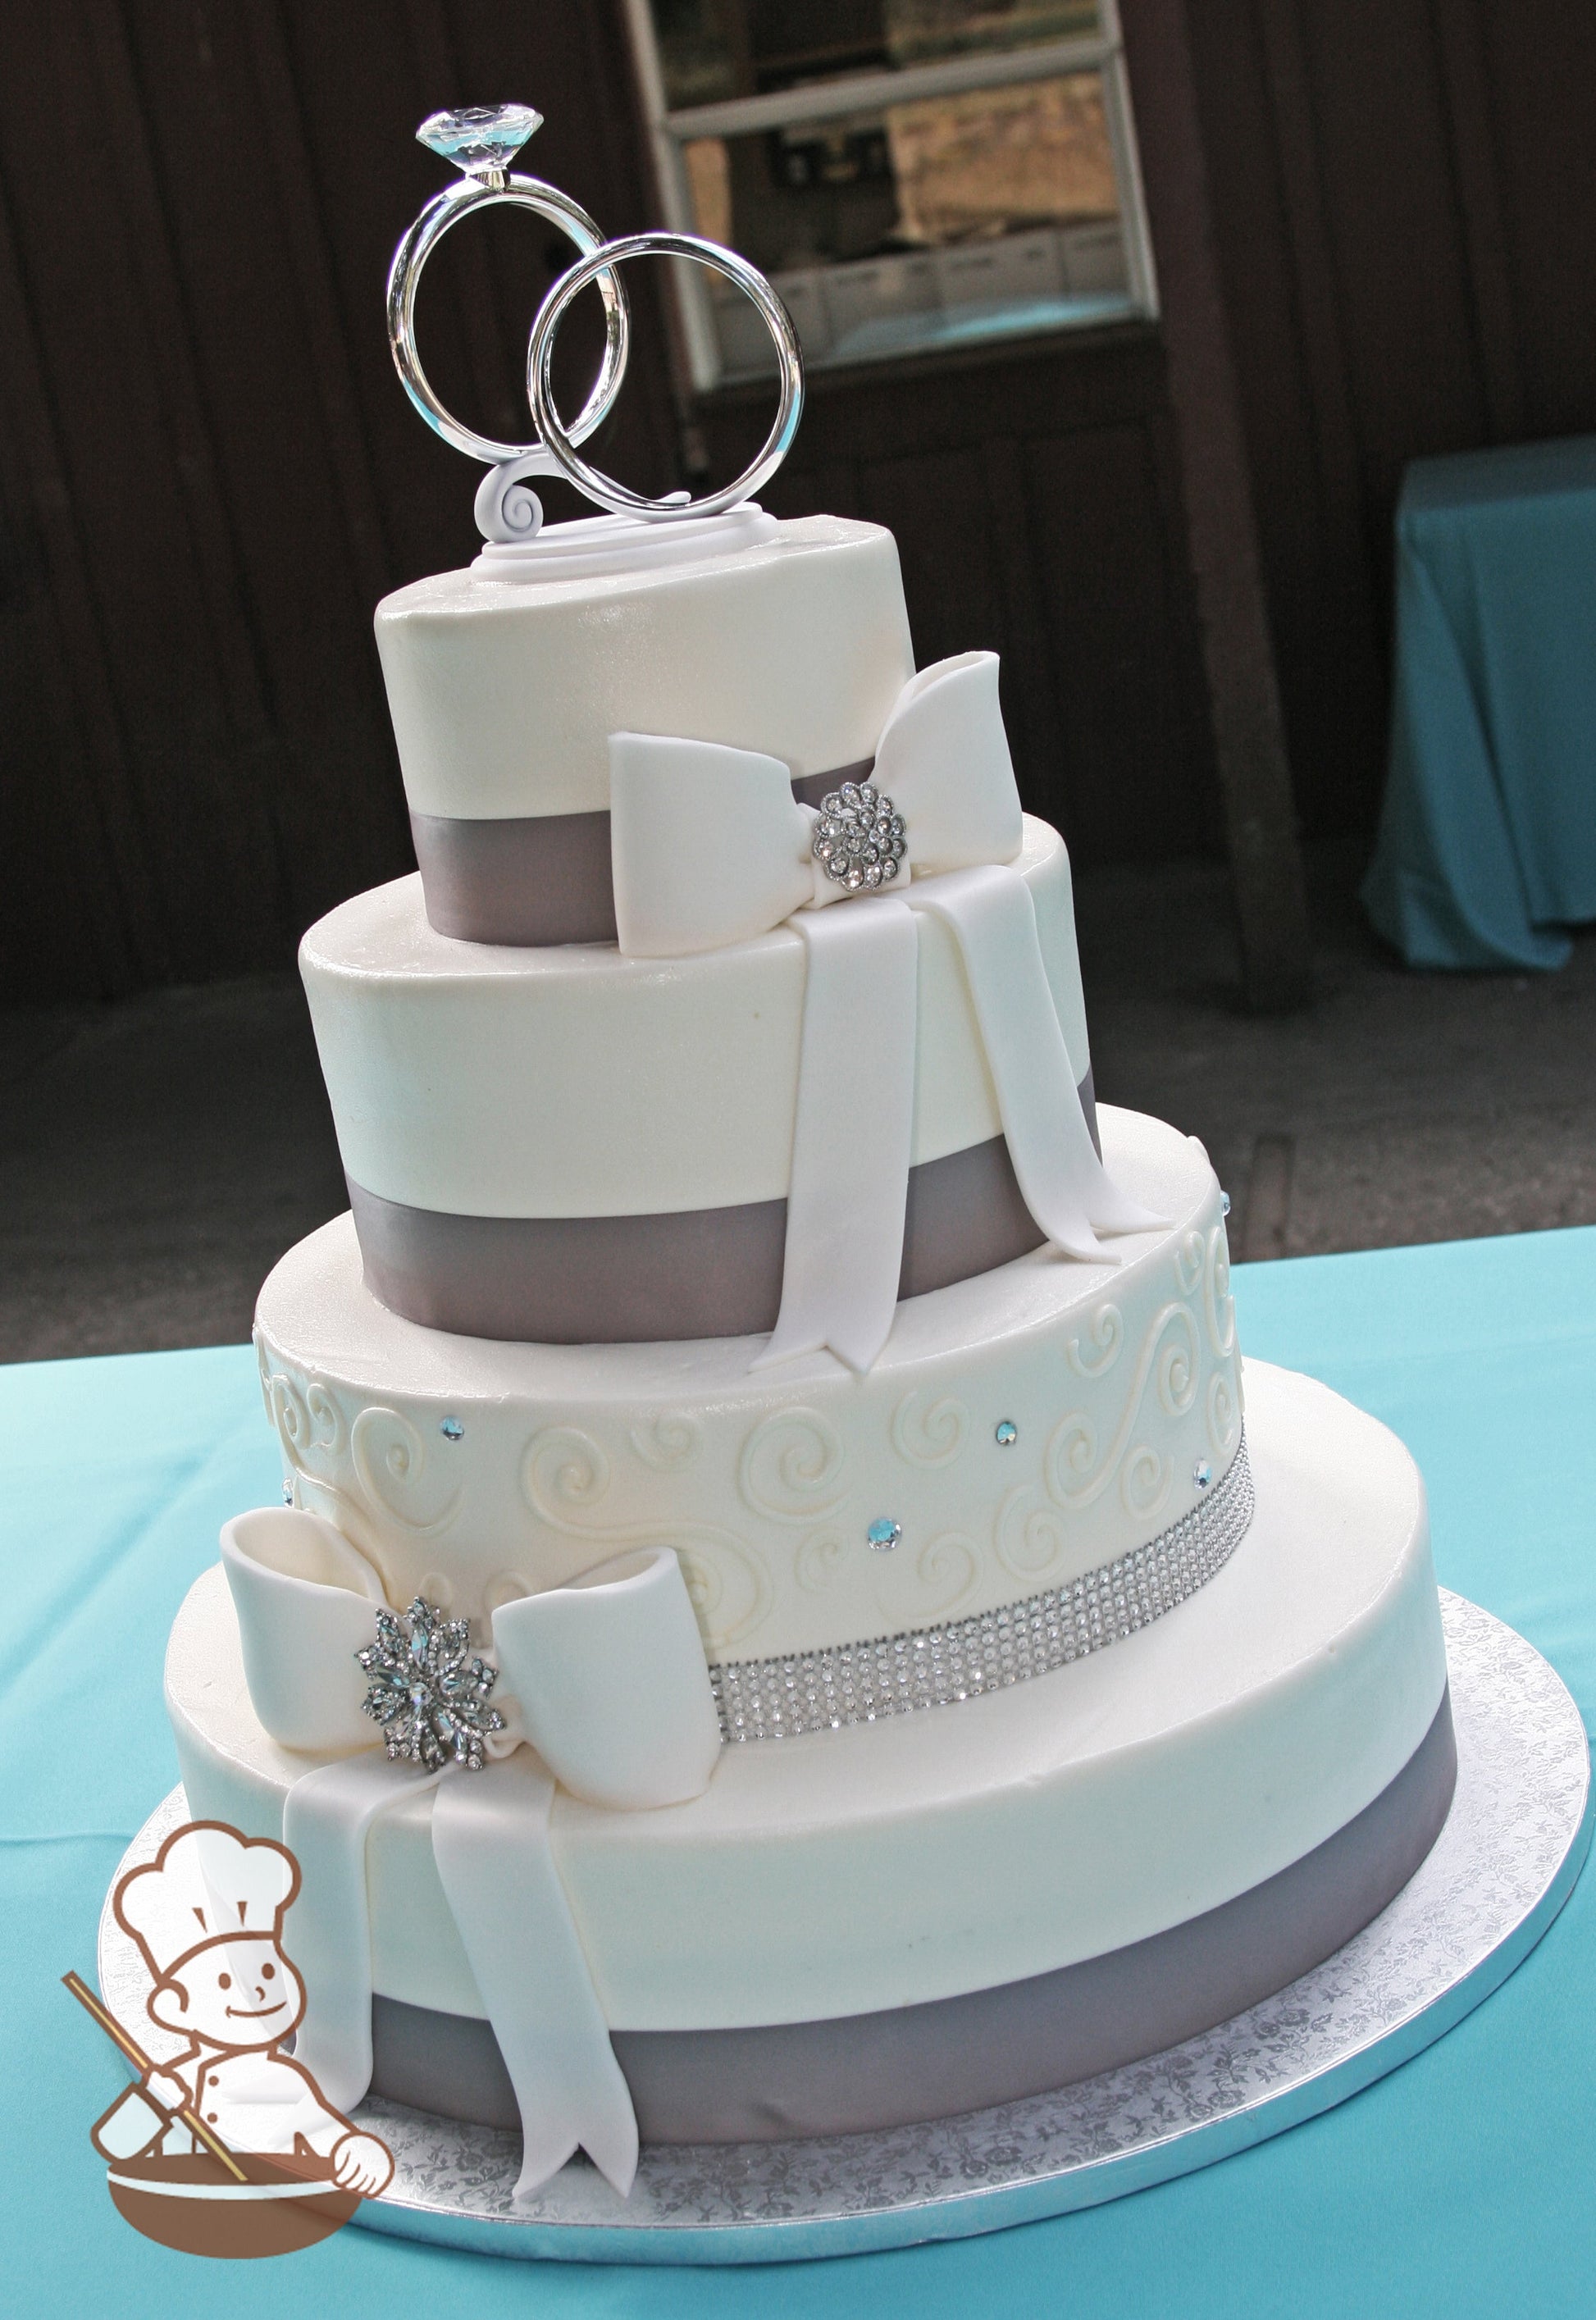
311, 1430
1190, 1257
1030, 1533
305, 1421
1105, 1334
1218, 1306
504, 1587
1223, 1412
1074, 1469
930, 1438
790, 1466
565, 1474
672, 1440
947, 1568
392, 1469
1032, 1529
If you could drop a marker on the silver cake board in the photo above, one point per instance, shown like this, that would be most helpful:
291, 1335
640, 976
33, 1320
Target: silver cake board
1506, 1861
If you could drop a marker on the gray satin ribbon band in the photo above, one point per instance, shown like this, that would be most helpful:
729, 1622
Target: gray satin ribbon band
695, 1273
537, 879
917, 2062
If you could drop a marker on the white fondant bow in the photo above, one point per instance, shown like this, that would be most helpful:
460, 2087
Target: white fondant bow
709, 846
606, 1678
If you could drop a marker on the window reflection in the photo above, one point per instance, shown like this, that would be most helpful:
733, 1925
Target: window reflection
711, 50
988, 200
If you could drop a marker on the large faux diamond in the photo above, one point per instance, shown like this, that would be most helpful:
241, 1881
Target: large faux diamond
479, 136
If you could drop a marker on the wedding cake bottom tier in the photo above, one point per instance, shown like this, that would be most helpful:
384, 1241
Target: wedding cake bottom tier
912, 1918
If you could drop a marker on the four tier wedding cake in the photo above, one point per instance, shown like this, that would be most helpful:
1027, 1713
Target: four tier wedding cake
779, 1624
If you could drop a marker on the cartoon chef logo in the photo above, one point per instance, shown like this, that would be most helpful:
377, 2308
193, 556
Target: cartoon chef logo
229, 2148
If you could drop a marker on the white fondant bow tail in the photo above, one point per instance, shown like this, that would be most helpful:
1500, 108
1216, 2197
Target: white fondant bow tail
605, 1677
709, 846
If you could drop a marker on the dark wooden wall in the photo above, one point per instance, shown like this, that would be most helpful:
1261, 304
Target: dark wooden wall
1405, 207
208, 473
1036, 503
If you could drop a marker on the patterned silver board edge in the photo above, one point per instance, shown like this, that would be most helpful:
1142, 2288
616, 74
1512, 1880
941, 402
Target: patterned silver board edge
1501, 1868
932, 1667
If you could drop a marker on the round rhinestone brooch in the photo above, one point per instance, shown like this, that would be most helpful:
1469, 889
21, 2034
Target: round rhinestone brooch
859, 837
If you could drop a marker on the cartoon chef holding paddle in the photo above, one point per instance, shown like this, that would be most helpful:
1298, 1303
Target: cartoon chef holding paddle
207, 1916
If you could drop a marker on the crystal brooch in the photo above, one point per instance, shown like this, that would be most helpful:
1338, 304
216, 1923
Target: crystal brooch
479, 136
426, 1690
858, 837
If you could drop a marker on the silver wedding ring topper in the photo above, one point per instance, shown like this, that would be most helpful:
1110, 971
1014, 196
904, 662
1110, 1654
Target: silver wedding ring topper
482, 142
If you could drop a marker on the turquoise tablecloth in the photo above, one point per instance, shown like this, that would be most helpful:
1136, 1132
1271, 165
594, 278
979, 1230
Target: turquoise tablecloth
1487, 844
1463, 2185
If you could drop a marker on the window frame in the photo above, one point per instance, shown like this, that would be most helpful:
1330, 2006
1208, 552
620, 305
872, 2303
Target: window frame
668, 132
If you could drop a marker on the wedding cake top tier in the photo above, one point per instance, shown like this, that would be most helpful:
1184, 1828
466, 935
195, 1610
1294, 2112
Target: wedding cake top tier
505, 693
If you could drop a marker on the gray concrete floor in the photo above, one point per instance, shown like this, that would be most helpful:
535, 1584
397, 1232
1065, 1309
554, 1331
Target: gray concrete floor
155, 1157
1399, 1107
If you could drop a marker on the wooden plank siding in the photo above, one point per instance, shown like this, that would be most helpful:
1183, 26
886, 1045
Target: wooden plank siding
208, 470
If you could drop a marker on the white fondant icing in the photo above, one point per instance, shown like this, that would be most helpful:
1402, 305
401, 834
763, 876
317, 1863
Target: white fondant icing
325, 1818
943, 760
304, 1599
608, 1674
1066, 1187
503, 692
547, 1480
707, 845
488, 1082
709, 849
599, 544
977, 1843
847, 1194
496, 1863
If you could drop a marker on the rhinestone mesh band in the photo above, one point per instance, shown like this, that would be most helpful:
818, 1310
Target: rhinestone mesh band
929, 1667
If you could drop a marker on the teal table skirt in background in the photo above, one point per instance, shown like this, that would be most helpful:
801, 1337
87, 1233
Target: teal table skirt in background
1487, 842
1463, 2185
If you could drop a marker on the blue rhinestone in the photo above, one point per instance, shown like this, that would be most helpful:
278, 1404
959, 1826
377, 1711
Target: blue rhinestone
1008, 1432
1224, 1204
1202, 1473
884, 1535
451, 1429
288, 1494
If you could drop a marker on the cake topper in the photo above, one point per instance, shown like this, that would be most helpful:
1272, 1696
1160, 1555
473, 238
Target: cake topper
482, 142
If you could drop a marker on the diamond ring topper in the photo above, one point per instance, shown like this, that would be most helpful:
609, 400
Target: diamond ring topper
859, 837
482, 139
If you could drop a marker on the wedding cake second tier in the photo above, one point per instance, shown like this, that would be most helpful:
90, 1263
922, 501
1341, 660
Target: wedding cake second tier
567, 1144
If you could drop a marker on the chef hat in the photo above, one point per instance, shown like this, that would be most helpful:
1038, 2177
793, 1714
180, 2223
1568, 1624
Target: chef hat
206, 1882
